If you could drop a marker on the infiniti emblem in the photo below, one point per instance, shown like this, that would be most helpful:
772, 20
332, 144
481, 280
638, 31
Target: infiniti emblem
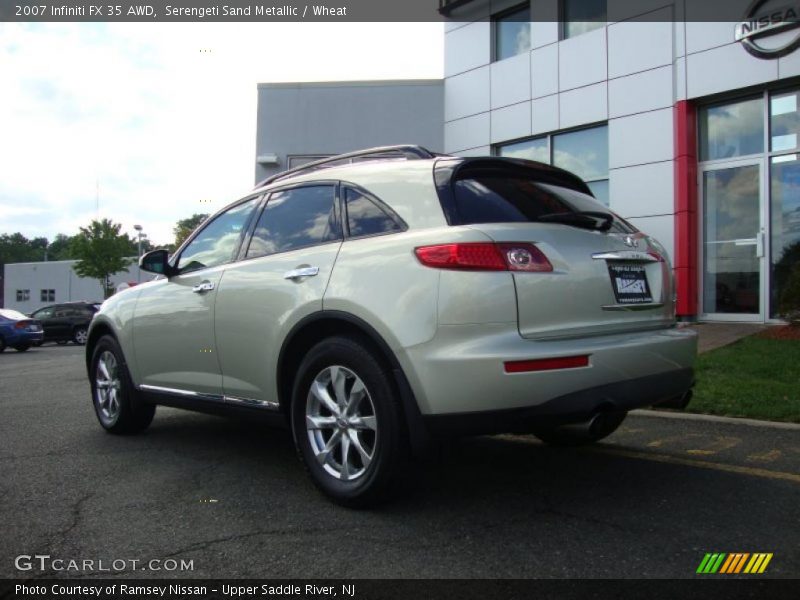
630, 241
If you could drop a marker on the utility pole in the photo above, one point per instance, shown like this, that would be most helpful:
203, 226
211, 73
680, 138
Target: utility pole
139, 236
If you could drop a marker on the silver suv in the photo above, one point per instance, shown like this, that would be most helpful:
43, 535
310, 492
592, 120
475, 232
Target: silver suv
381, 299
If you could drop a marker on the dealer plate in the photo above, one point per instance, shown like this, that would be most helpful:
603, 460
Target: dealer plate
630, 283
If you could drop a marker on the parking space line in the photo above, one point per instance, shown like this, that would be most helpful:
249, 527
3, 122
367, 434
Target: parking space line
688, 462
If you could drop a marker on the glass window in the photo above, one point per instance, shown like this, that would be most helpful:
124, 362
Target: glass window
785, 217
536, 149
600, 190
47, 295
44, 313
23, 295
218, 240
735, 129
364, 217
582, 16
583, 152
512, 33
503, 197
295, 218
784, 122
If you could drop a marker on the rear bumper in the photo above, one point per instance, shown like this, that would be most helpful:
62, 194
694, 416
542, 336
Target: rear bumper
24, 338
577, 407
461, 371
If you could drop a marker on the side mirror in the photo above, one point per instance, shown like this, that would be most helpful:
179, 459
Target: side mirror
157, 261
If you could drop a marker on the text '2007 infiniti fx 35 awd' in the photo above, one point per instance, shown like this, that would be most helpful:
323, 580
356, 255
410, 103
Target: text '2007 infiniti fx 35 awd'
379, 299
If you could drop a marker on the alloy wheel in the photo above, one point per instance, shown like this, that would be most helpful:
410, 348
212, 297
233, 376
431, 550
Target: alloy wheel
107, 388
81, 335
341, 424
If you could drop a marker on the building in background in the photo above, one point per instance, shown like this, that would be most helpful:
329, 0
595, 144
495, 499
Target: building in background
689, 129
301, 122
30, 286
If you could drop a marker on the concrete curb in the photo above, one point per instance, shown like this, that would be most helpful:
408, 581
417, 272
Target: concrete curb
715, 419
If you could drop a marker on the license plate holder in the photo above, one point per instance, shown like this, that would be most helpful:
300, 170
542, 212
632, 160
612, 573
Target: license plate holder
629, 282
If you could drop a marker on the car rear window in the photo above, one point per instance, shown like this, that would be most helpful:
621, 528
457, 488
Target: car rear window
498, 193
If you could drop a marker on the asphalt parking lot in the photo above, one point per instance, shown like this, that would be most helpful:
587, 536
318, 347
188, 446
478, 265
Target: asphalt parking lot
650, 501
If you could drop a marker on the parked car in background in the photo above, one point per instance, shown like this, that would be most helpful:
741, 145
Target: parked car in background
373, 305
66, 322
18, 331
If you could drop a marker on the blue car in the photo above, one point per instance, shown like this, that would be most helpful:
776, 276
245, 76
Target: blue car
18, 331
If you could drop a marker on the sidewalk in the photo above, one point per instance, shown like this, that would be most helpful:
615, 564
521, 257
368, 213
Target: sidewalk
716, 335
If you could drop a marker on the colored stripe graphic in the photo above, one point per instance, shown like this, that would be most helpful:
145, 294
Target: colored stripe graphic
734, 563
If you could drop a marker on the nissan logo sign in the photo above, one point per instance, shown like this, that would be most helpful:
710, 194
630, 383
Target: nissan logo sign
764, 24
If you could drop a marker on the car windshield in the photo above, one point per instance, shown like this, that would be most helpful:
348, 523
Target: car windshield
7, 313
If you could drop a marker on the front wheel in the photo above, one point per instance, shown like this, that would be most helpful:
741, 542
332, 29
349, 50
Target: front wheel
117, 405
347, 422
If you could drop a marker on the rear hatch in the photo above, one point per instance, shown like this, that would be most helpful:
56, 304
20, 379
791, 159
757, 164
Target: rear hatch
606, 276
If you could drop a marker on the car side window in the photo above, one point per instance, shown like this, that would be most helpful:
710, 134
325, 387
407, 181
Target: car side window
219, 239
365, 217
45, 313
296, 218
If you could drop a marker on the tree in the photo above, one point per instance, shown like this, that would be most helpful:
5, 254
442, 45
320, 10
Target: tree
60, 248
101, 251
184, 228
15, 247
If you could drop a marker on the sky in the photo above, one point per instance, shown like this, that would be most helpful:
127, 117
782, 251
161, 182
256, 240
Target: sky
149, 123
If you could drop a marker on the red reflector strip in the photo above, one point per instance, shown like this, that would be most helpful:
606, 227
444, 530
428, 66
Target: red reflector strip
546, 364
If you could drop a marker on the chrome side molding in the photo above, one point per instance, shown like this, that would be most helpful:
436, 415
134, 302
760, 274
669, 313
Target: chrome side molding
218, 398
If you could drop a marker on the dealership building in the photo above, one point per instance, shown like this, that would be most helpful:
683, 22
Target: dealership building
689, 129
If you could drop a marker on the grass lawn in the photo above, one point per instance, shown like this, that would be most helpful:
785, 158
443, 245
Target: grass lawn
754, 377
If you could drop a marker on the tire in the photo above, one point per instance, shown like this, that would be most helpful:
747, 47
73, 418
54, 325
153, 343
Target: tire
117, 405
22, 348
602, 427
80, 335
375, 444
2, 344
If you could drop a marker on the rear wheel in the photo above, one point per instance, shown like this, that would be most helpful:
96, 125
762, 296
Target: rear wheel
347, 422
603, 425
22, 348
116, 403
80, 335
2, 344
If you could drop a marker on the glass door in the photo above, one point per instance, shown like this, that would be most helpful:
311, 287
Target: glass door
733, 278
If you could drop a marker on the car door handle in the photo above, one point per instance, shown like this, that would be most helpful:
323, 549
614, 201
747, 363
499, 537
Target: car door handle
203, 286
301, 272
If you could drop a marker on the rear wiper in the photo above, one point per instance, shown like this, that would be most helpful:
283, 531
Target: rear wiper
587, 219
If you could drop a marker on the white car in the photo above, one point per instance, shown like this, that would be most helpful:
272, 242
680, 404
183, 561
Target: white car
379, 299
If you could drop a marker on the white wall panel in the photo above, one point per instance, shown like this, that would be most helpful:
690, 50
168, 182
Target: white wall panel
644, 91
620, 10
544, 25
544, 71
640, 139
705, 35
789, 66
643, 190
680, 79
511, 122
511, 80
583, 105
466, 94
727, 68
470, 132
635, 46
544, 115
467, 48
582, 60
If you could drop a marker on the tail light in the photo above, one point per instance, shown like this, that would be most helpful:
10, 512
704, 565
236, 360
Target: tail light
485, 256
21, 324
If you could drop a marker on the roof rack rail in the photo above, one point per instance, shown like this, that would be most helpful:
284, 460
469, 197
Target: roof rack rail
409, 152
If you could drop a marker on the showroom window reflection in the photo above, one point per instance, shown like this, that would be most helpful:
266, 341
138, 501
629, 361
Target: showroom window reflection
582, 16
583, 152
512, 32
